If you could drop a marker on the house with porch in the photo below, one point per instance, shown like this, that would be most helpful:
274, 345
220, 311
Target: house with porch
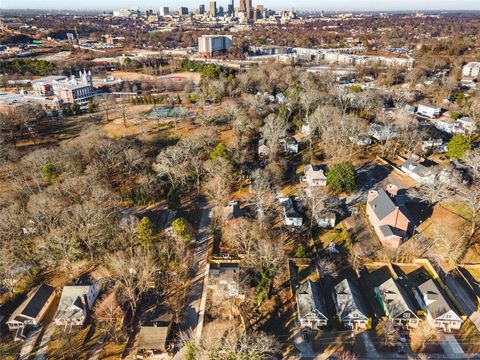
438, 308
395, 304
31, 311
313, 175
349, 304
310, 306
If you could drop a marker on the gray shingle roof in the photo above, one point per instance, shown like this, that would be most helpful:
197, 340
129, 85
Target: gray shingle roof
438, 304
383, 205
348, 298
309, 299
291, 209
417, 168
395, 298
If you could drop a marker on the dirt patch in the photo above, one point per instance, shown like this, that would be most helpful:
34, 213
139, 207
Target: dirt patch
133, 76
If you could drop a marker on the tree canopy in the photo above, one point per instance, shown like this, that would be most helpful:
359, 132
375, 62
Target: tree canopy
342, 177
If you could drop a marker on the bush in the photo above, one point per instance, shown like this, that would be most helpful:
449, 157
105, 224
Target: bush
458, 146
300, 252
50, 173
455, 115
182, 229
220, 151
342, 177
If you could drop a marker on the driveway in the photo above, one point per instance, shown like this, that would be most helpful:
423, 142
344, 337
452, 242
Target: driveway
29, 343
452, 348
42, 347
190, 317
369, 346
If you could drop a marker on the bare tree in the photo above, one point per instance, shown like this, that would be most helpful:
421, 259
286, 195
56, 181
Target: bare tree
135, 272
388, 332
426, 332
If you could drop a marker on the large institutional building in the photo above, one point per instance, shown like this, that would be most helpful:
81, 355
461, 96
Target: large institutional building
67, 89
210, 45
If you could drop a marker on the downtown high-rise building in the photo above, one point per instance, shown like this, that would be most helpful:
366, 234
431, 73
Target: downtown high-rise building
164, 11
245, 6
212, 11
220, 11
201, 9
183, 11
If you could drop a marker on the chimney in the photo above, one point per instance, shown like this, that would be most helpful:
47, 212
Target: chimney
392, 190
372, 194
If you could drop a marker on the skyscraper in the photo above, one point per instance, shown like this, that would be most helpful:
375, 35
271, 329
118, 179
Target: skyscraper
201, 9
231, 8
183, 11
220, 11
164, 11
213, 9
246, 7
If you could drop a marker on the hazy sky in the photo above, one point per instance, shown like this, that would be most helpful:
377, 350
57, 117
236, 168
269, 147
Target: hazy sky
273, 4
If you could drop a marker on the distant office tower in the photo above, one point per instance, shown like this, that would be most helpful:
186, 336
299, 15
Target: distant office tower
246, 7
220, 11
242, 6
210, 45
201, 9
231, 8
183, 11
259, 12
213, 9
164, 11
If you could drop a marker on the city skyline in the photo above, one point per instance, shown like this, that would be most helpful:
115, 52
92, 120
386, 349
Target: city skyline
330, 5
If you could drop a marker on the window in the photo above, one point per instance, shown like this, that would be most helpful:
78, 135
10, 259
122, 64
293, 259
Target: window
406, 315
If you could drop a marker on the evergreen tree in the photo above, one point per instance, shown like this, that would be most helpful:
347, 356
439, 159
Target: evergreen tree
342, 177
146, 233
458, 146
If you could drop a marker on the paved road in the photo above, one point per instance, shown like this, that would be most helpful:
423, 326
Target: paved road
42, 347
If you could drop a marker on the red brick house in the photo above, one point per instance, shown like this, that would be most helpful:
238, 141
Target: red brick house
388, 216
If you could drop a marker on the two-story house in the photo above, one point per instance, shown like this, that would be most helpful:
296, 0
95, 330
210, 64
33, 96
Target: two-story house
389, 218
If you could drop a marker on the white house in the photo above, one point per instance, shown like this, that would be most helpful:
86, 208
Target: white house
263, 149
75, 303
326, 220
290, 145
429, 111
418, 172
291, 213
440, 312
313, 175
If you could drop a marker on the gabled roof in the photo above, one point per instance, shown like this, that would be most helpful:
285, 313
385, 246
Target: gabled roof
388, 231
416, 168
437, 304
71, 303
309, 299
348, 298
395, 298
34, 303
290, 209
383, 205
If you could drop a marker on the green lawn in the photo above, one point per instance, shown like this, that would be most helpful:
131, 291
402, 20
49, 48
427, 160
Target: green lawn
339, 235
